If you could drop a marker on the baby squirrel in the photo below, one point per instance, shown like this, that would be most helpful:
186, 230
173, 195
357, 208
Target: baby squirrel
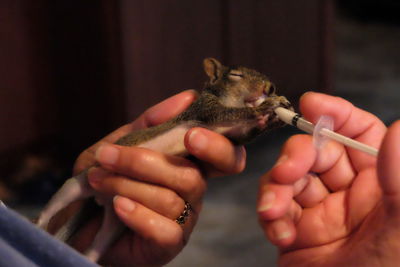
237, 102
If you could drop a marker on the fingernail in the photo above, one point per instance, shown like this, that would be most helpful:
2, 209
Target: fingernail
281, 160
198, 140
241, 156
303, 95
124, 205
192, 91
96, 175
107, 154
267, 201
281, 230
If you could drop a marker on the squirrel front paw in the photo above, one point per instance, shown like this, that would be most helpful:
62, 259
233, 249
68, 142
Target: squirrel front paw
264, 108
262, 121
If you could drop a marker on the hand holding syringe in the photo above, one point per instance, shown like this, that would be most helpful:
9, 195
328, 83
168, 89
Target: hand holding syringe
321, 130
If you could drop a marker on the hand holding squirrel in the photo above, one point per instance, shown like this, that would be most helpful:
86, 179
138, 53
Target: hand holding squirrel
237, 103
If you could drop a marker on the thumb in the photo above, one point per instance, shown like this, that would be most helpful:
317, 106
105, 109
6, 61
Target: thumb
389, 168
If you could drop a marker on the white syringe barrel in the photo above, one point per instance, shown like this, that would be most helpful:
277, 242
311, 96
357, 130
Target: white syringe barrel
294, 119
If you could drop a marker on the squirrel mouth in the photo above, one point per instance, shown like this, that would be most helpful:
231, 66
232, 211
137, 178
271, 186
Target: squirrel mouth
270, 118
255, 101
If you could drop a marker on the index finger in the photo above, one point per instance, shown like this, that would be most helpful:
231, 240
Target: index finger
161, 112
349, 121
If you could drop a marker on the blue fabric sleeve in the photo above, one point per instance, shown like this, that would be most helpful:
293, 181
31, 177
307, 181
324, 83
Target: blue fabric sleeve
23, 244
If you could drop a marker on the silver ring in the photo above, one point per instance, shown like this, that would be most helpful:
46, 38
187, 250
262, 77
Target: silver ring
185, 214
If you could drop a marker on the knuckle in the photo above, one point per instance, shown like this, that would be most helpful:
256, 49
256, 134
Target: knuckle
139, 159
191, 181
298, 138
119, 185
115, 185
173, 202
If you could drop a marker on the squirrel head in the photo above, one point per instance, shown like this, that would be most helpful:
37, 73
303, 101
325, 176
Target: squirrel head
239, 86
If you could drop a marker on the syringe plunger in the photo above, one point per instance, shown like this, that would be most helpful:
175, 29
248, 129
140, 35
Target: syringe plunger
296, 120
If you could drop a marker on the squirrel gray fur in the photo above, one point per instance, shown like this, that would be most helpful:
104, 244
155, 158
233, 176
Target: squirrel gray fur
236, 102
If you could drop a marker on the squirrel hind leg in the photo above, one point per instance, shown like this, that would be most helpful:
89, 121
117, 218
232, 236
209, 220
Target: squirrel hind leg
74, 188
109, 232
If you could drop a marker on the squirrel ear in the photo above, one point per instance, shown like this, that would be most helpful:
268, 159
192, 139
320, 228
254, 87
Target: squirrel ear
213, 68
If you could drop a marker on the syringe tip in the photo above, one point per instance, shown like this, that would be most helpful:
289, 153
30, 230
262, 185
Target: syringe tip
285, 115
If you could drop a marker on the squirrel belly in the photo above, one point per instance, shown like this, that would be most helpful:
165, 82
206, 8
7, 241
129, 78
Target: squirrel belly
171, 142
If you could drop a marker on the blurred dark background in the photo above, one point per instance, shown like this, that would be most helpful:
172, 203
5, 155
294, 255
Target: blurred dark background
73, 71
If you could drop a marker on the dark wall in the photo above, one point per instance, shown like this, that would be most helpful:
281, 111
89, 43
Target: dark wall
25, 94
383, 11
59, 73
60, 88
166, 41
85, 64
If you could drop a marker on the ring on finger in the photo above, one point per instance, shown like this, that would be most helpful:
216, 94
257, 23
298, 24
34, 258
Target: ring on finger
182, 218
